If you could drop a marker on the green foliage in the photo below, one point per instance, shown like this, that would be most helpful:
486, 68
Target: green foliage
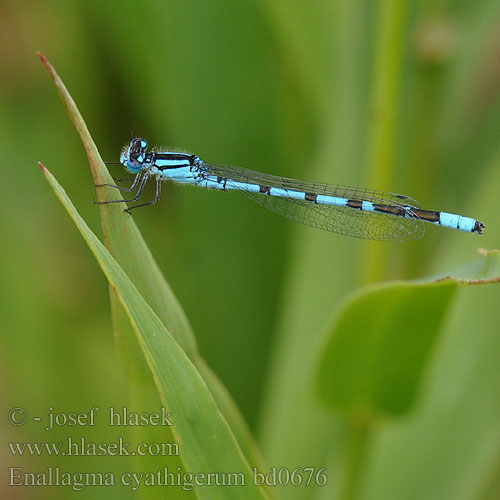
207, 443
139, 263
376, 352
374, 360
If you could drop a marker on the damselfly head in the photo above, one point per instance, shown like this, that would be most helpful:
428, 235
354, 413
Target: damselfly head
134, 154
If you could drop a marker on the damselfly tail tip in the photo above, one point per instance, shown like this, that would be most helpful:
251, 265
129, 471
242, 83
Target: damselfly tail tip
478, 227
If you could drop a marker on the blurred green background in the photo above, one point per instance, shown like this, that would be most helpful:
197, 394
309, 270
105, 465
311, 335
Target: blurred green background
401, 96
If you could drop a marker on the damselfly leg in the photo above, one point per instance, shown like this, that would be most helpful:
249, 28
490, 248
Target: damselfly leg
143, 182
152, 202
134, 181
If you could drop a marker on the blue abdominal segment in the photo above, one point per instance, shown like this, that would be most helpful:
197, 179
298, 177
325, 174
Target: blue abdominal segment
465, 224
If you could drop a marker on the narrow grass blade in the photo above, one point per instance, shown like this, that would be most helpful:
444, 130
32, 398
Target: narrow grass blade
122, 237
376, 353
125, 242
206, 441
381, 339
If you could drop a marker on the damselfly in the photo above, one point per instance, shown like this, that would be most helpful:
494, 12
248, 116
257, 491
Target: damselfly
362, 213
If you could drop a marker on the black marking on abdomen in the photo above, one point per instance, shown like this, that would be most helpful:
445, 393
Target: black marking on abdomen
265, 189
220, 179
427, 215
388, 209
312, 197
354, 204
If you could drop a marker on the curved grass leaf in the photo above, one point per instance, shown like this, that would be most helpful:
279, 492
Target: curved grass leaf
125, 242
376, 353
122, 237
206, 442
381, 340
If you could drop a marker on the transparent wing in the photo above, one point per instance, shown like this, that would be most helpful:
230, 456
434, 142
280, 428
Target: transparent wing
343, 220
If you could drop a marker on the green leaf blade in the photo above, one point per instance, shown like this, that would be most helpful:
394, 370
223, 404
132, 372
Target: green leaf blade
122, 237
125, 242
377, 350
206, 441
